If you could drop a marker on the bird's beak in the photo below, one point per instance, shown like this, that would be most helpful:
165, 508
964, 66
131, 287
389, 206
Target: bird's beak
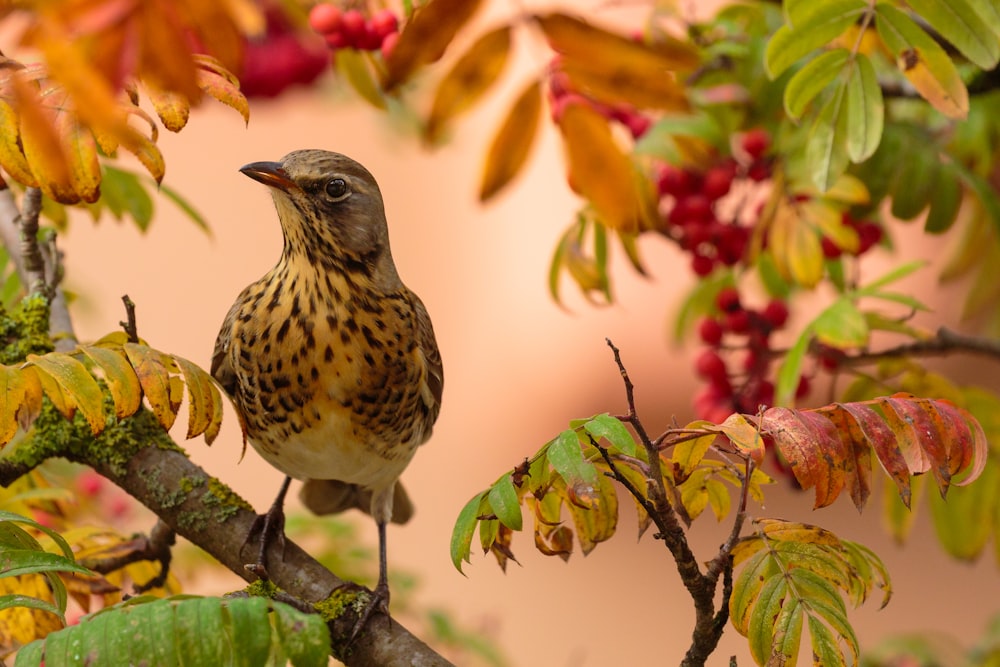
269, 173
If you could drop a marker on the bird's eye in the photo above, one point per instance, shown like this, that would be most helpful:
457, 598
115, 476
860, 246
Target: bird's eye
336, 189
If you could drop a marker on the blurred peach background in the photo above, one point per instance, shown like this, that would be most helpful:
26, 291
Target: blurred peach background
517, 369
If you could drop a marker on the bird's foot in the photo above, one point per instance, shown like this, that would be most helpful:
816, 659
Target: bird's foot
378, 602
265, 528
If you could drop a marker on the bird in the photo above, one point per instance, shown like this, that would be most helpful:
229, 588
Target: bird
330, 360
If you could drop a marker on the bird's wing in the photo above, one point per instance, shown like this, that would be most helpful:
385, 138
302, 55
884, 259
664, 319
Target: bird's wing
427, 344
222, 369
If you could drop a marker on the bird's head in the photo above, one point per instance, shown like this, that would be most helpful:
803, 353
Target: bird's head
331, 212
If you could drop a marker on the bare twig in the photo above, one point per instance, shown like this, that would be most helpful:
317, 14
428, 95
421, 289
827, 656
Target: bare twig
155, 547
131, 329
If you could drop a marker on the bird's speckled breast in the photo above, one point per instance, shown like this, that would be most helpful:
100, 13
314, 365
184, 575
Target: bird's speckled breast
337, 380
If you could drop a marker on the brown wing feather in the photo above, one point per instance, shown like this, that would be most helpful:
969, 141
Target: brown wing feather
222, 370
432, 357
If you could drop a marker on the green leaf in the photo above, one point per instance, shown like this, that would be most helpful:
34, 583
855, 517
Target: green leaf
14, 519
148, 631
465, 528
989, 12
16, 562
11, 601
791, 369
812, 30
826, 150
611, 429
892, 276
185, 206
915, 183
946, 199
567, 459
841, 325
503, 499
959, 23
122, 193
963, 523
809, 81
865, 110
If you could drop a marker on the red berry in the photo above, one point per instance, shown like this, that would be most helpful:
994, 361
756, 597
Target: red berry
717, 181
759, 171
352, 24
388, 44
638, 125
710, 366
802, 389
695, 207
829, 359
737, 321
869, 234
325, 18
384, 23
559, 84
750, 360
675, 181
710, 331
830, 249
89, 483
702, 265
776, 313
732, 243
560, 104
756, 141
695, 234
728, 300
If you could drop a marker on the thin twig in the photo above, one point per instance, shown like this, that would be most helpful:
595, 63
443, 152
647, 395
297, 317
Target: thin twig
155, 547
129, 324
944, 342
723, 561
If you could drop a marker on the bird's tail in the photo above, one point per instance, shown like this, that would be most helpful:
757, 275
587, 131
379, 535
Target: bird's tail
330, 496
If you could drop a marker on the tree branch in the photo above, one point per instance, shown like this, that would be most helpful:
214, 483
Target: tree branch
11, 227
944, 342
210, 515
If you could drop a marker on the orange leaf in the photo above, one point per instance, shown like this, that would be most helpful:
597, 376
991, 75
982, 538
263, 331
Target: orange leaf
744, 435
607, 52
608, 80
857, 460
512, 142
600, 171
81, 154
946, 92
41, 144
882, 441
425, 37
220, 83
472, 75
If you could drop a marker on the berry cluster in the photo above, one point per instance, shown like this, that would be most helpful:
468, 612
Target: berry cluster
350, 29
739, 382
281, 58
562, 94
690, 196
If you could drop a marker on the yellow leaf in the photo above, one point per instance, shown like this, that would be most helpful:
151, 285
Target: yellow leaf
172, 109
795, 245
78, 387
471, 76
512, 142
12, 387
81, 156
744, 435
829, 220
601, 172
120, 378
11, 158
31, 406
150, 367
425, 37
22, 625
688, 454
202, 397
944, 90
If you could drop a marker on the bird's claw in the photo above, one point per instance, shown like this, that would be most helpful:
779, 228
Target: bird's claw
266, 527
378, 602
